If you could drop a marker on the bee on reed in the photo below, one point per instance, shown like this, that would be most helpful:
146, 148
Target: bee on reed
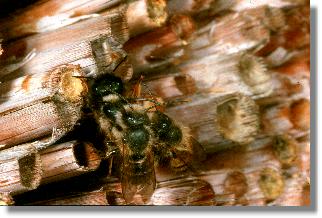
143, 137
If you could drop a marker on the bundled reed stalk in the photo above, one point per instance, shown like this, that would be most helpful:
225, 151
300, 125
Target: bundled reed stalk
24, 167
259, 170
6, 199
161, 46
265, 173
219, 121
42, 104
71, 44
49, 15
217, 73
98, 197
235, 72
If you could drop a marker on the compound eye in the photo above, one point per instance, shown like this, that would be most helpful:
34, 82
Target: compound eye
108, 85
110, 109
134, 118
137, 139
173, 136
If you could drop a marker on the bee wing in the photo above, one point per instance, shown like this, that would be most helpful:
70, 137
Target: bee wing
188, 156
137, 177
199, 153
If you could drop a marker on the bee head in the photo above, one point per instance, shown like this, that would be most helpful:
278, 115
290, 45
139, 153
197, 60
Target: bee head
108, 84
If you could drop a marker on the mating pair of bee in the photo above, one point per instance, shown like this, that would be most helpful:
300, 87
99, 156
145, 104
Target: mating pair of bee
143, 136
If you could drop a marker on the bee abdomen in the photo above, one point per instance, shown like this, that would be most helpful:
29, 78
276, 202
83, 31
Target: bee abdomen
139, 168
173, 136
137, 139
165, 129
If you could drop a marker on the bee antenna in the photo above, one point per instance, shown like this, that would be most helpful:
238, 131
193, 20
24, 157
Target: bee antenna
149, 90
147, 99
167, 103
156, 104
174, 102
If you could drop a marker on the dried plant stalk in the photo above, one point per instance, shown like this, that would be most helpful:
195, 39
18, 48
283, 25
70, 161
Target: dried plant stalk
300, 114
68, 160
48, 15
88, 190
234, 32
294, 34
286, 90
291, 82
71, 44
244, 5
186, 191
290, 117
219, 121
42, 104
296, 63
219, 73
145, 15
76, 33
304, 160
180, 191
24, 167
249, 176
202, 8
246, 167
157, 48
272, 169
6, 199
20, 169
276, 120
77, 199
141, 15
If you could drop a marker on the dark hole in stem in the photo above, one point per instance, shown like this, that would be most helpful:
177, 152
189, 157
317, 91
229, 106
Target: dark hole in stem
80, 155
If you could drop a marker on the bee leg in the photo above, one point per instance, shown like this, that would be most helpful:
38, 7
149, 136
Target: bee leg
110, 155
136, 89
110, 165
175, 102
